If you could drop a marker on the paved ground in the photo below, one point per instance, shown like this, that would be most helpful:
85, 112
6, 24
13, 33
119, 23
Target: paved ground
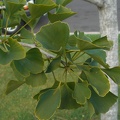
86, 19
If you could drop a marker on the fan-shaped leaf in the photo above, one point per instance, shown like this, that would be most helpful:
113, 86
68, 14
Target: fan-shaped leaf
17, 74
81, 92
36, 80
67, 101
63, 2
90, 109
62, 13
13, 7
99, 56
114, 74
30, 21
13, 85
32, 63
54, 36
98, 81
102, 104
48, 103
87, 45
37, 10
82, 36
54, 64
15, 52
26, 34
103, 42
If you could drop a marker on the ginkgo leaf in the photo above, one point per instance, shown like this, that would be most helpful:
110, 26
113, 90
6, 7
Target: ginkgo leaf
102, 104
98, 81
114, 74
67, 100
54, 36
13, 7
54, 64
17, 74
43, 7
48, 103
14, 52
63, 2
26, 34
81, 92
99, 56
103, 41
13, 85
32, 63
36, 80
62, 13
90, 109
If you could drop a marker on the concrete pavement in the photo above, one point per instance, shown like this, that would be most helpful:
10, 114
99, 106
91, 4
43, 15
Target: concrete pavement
87, 18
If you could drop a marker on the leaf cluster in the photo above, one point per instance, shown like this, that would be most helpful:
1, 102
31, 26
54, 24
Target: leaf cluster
78, 64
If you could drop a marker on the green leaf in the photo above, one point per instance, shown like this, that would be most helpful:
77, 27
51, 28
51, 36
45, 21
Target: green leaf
90, 109
99, 56
87, 45
82, 36
36, 80
54, 86
26, 34
43, 6
63, 2
12, 7
30, 21
13, 85
91, 62
54, 36
114, 74
103, 42
72, 44
13, 20
62, 13
67, 101
72, 41
32, 63
102, 104
14, 52
54, 64
98, 81
17, 74
81, 92
48, 103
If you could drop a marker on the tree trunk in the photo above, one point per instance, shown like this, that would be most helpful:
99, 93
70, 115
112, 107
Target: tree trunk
109, 26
